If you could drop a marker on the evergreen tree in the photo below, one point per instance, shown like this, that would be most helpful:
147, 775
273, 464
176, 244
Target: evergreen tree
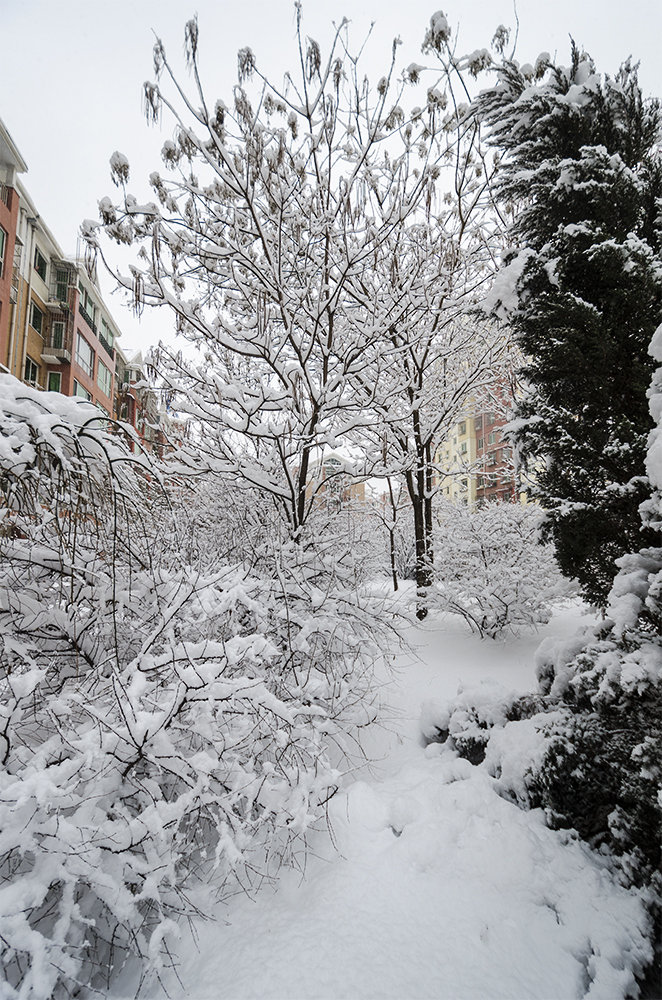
583, 292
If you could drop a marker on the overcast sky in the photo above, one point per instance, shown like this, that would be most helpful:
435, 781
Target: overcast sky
71, 75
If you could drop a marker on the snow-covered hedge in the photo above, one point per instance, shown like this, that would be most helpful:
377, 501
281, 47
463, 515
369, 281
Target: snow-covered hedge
492, 569
588, 745
163, 729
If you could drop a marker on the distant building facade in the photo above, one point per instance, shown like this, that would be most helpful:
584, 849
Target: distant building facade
56, 333
138, 405
11, 165
476, 463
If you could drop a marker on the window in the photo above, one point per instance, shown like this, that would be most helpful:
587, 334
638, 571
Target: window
80, 391
481, 443
104, 378
479, 423
87, 306
107, 337
40, 264
463, 448
57, 334
54, 381
462, 429
61, 284
84, 355
3, 250
36, 318
103, 409
31, 371
491, 437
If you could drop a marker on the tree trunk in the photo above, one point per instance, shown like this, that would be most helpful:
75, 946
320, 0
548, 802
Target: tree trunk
391, 532
423, 571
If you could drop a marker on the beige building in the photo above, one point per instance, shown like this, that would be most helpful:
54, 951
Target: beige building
476, 463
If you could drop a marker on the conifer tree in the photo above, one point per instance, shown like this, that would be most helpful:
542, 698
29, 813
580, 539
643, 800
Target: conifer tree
583, 291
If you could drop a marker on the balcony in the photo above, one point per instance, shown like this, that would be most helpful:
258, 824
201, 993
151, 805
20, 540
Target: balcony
110, 351
58, 345
86, 316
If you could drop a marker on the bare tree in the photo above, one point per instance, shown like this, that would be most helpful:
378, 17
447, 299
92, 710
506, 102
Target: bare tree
274, 212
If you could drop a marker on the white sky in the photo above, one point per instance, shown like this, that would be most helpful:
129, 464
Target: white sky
71, 76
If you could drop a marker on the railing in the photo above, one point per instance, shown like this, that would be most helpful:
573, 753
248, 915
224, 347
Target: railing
106, 346
6, 194
60, 292
59, 340
86, 316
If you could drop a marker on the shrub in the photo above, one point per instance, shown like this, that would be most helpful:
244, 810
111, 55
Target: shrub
492, 569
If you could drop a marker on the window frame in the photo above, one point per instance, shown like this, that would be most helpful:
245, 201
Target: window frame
34, 308
58, 326
31, 361
83, 393
56, 375
82, 364
40, 264
4, 239
106, 390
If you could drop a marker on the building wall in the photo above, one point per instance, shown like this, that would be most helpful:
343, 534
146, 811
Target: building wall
11, 165
57, 343
8, 223
477, 464
456, 457
55, 329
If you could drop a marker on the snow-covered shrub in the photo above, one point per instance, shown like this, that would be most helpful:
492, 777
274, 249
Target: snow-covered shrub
607, 753
588, 745
163, 727
492, 569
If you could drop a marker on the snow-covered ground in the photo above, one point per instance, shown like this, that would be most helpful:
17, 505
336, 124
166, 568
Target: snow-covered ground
427, 883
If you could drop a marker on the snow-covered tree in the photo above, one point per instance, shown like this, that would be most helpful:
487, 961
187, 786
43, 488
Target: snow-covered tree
272, 216
443, 355
304, 247
433, 277
166, 726
583, 292
492, 569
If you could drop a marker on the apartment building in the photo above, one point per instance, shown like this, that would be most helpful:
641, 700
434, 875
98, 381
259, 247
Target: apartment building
61, 334
56, 333
138, 405
11, 165
476, 463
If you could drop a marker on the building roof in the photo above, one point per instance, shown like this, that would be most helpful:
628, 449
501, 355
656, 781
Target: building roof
9, 153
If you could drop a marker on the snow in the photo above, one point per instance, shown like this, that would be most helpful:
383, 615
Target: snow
426, 882
502, 300
654, 456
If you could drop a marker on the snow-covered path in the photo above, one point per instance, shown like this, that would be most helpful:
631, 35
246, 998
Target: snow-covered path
437, 887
